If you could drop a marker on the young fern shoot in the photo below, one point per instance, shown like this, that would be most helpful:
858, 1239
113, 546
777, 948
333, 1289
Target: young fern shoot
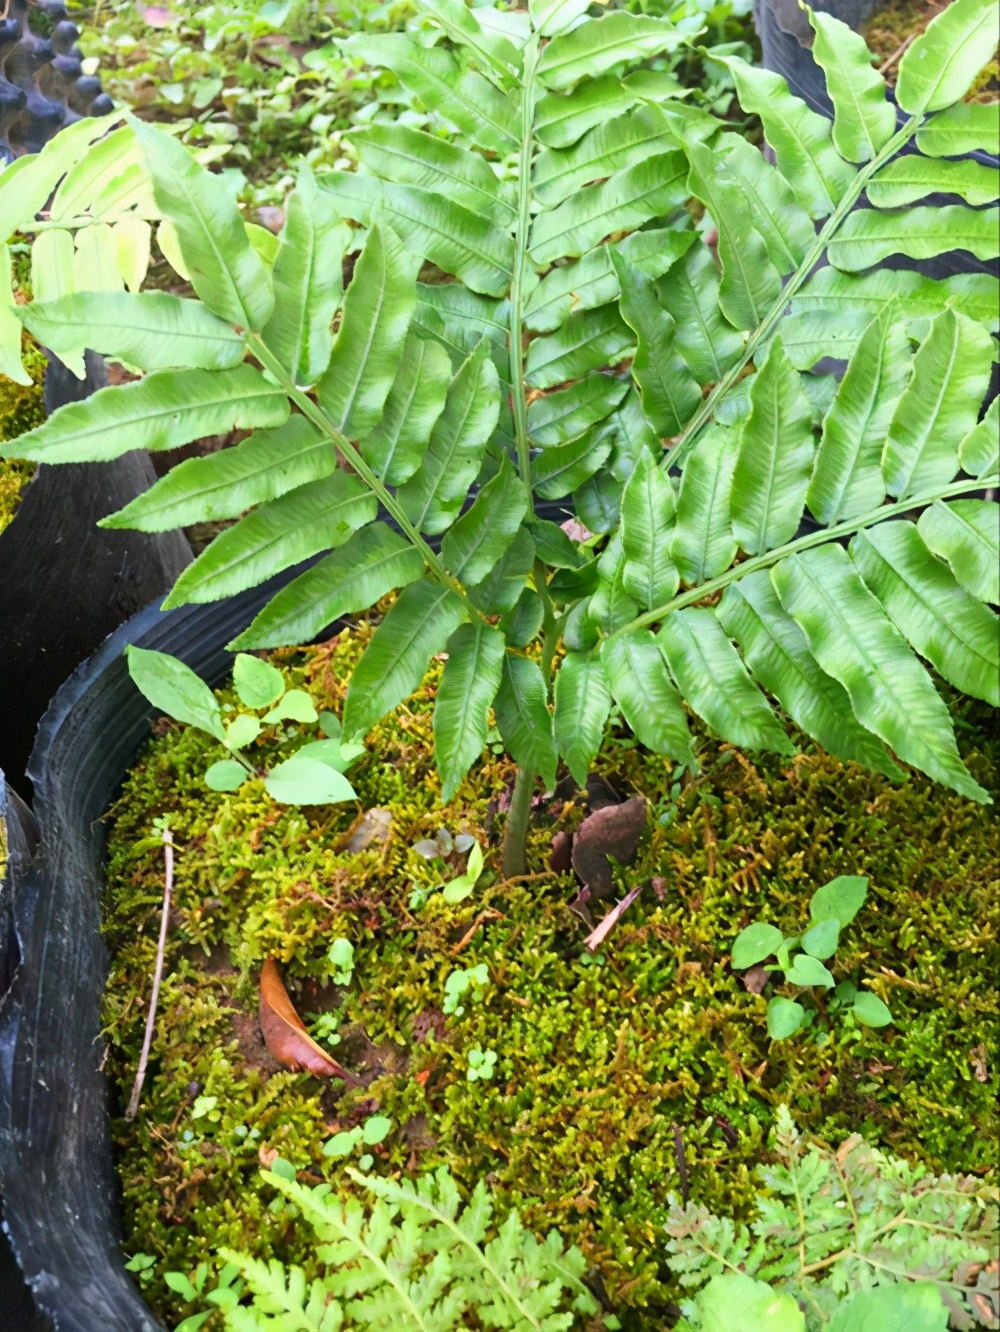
759, 535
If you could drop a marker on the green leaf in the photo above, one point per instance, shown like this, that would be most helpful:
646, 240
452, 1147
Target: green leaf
906, 179
904, 1306
433, 497
784, 225
307, 281
597, 500
468, 687
867, 237
296, 705
602, 45
226, 271
715, 683
690, 291
560, 417
821, 939
979, 451
500, 589
335, 755
226, 775
582, 704
459, 888
703, 544
549, 17
853, 640
841, 899
778, 655
802, 139
524, 720
312, 518
650, 576
554, 547
784, 1017
967, 127
775, 457
735, 1302
481, 536
750, 282
375, 1129
586, 341
151, 330
642, 688
10, 325
373, 326
669, 393
966, 533
258, 683
611, 607
650, 188
755, 943
609, 147
226, 483
463, 97
847, 478
417, 626
951, 372
870, 1011
175, 689
956, 633
940, 66
303, 781
396, 446
863, 120
808, 971
375, 561
561, 118
409, 156
163, 411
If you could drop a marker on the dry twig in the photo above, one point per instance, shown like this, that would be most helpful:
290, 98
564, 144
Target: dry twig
147, 1041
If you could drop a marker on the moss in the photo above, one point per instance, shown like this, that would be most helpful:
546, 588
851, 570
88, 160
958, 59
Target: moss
893, 23
601, 1062
21, 409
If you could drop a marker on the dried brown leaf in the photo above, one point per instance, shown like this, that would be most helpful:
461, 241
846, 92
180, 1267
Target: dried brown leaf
284, 1031
615, 830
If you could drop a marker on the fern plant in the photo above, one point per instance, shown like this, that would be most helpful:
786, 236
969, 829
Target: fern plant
848, 1220
532, 316
416, 1260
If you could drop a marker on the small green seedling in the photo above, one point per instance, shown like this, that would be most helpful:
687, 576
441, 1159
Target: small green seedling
482, 1064
313, 775
324, 1028
142, 1265
831, 908
192, 1288
442, 846
373, 1131
205, 1108
472, 981
341, 959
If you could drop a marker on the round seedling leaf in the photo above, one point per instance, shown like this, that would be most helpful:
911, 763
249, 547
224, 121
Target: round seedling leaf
258, 683
341, 1144
303, 781
821, 940
295, 706
869, 1010
755, 943
806, 970
330, 752
243, 730
841, 899
375, 1129
226, 775
341, 954
784, 1017
329, 724
734, 1302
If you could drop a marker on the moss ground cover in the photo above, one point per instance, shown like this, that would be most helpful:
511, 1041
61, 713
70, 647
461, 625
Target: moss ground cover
603, 1065
21, 408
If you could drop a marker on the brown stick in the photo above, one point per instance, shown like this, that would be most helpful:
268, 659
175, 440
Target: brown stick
168, 861
597, 936
900, 51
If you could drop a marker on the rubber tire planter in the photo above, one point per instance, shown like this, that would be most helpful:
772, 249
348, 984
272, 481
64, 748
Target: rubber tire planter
57, 1177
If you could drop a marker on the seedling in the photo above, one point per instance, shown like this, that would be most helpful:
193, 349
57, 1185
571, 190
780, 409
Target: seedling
341, 958
472, 981
373, 1131
831, 908
482, 1064
313, 775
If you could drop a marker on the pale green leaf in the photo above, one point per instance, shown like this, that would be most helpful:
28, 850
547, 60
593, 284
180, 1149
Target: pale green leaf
755, 943
151, 330
10, 325
642, 688
956, 633
462, 26
966, 533
609, 147
481, 536
52, 265
979, 451
863, 119
650, 576
226, 775
870, 1011
715, 683
586, 341
942, 63
304, 781
561, 469
175, 689
784, 1017
703, 544
820, 941
783, 223
967, 127
524, 720
809, 971
257, 682
95, 264
133, 243
417, 627
602, 45
854, 641
560, 417
561, 118
909, 178
373, 562
314, 517
582, 704
468, 686
550, 17
395, 447
376, 315
501, 588
867, 237
734, 1302
225, 269
690, 291
951, 373
163, 411
841, 899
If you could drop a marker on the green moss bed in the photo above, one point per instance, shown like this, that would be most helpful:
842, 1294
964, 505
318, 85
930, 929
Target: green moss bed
602, 1063
21, 409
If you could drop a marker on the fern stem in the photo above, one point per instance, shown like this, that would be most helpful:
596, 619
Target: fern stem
516, 327
515, 833
820, 538
764, 330
351, 455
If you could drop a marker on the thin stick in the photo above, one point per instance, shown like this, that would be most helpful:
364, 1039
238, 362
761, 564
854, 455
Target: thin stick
597, 936
682, 1169
168, 860
901, 50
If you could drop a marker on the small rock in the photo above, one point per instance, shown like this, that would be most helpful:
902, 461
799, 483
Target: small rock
271, 217
615, 830
373, 827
